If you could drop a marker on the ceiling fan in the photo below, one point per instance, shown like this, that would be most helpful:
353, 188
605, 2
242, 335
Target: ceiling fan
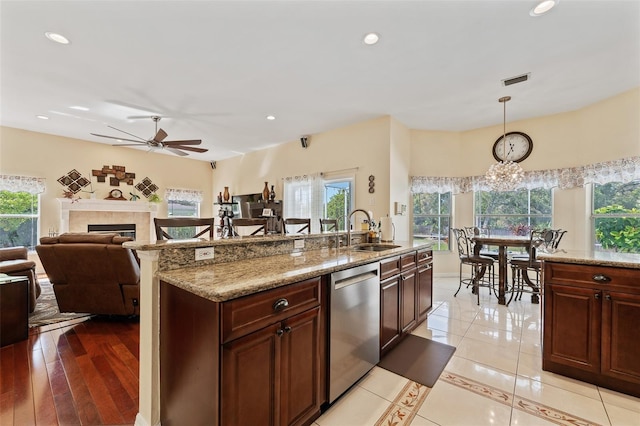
158, 142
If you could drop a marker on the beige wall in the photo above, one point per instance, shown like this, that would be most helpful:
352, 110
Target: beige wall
383, 147
47, 156
606, 130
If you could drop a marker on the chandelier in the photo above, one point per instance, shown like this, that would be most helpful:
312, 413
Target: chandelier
504, 175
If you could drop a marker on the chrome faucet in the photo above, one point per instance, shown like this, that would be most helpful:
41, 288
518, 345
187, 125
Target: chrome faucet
349, 224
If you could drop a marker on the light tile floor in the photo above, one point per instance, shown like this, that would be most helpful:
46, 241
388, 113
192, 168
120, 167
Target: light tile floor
494, 378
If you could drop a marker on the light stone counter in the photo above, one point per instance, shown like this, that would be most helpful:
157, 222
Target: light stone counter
620, 260
225, 281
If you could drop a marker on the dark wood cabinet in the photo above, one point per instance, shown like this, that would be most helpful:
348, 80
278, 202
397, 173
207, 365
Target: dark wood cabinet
405, 295
258, 359
272, 376
424, 283
590, 329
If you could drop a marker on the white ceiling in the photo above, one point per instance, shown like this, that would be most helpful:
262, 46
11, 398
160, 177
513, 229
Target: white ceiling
216, 69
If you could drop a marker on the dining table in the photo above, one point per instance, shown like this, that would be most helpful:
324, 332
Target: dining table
502, 242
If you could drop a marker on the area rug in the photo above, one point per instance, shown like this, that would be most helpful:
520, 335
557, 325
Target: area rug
418, 359
47, 308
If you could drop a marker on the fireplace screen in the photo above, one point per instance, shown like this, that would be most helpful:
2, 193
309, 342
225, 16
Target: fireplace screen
124, 229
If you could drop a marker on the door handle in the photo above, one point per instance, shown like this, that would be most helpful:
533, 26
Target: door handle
279, 332
287, 329
597, 296
607, 296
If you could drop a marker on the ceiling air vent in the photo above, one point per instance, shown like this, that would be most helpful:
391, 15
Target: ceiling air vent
516, 79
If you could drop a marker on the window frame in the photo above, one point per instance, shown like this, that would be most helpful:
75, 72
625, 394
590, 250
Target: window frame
36, 216
595, 216
439, 216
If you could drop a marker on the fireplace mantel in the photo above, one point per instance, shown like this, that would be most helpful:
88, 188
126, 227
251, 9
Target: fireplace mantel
74, 215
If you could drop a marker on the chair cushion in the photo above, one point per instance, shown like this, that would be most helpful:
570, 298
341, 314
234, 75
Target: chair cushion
9, 266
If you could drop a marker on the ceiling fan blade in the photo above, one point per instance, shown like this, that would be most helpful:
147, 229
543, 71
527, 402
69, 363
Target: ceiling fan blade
187, 148
130, 134
145, 117
187, 142
127, 144
177, 151
118, 138
159, 137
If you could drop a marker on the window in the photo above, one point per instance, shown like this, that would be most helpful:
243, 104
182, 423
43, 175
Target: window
183, 203
513, 212
338, 200
19, 217
432, 219
316, 197
616, 217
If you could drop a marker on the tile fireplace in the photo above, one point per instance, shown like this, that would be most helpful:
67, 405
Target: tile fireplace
76, 216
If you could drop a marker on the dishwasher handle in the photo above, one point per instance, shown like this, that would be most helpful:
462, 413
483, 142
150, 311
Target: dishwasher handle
346, 282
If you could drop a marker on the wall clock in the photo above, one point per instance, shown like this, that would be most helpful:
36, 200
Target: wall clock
518, 147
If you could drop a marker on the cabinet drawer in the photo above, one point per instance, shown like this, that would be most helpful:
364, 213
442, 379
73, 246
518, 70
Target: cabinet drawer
408, 261
425, 256
389, 267
592, 276
250, 313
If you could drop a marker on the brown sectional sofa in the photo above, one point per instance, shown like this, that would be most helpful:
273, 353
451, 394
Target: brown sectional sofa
14, 261
92, 273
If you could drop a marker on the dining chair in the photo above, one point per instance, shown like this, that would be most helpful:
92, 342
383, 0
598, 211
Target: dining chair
251, 226
481, 266
183, 227
305, 227
521, 265
327, 225
474, 231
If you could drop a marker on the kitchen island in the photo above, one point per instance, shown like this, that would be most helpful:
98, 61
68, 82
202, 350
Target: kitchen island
591, 313
272, 266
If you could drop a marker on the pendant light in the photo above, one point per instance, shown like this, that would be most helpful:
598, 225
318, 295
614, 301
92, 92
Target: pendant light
504, 175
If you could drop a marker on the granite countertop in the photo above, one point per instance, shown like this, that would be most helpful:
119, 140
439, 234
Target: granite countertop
620, 260
226, 281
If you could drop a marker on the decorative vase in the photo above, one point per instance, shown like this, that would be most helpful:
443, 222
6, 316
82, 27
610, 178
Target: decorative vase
265, 192
220, 198
225, 195
272, 194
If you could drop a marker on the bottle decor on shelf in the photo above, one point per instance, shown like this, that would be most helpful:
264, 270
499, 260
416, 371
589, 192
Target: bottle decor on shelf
220, 197
272, 194
225, 195
265, 192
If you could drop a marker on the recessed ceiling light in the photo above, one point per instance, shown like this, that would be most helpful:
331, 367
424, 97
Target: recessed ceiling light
543, 7
42, 117
58, 38
79, 108
371, 38
271, 117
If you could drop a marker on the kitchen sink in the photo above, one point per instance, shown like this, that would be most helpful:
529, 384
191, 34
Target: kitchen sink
374, 247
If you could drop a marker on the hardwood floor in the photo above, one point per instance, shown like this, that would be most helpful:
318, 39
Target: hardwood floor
80, 372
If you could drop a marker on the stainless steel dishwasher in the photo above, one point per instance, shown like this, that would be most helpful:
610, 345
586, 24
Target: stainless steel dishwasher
354, 329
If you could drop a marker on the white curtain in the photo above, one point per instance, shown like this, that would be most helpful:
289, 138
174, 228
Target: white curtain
303, 198
28, 184
623, 170
183, 195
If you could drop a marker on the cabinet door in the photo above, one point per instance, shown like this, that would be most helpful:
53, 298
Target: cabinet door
408, 293
621, 336
389, 312
425, 290
301, 363
572, 317
251, 379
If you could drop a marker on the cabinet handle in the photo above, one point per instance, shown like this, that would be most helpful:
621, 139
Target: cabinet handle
597, 296
287, 329
279, 332
280, 304
607, 296
601, 278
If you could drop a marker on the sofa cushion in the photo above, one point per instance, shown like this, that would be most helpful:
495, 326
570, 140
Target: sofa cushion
17, 265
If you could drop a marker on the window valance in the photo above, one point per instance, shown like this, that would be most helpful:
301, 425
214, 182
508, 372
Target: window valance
28, 184
622, 170
183, 195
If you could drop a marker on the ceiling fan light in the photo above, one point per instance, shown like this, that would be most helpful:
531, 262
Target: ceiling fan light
371, 39
543, 7
58, 38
